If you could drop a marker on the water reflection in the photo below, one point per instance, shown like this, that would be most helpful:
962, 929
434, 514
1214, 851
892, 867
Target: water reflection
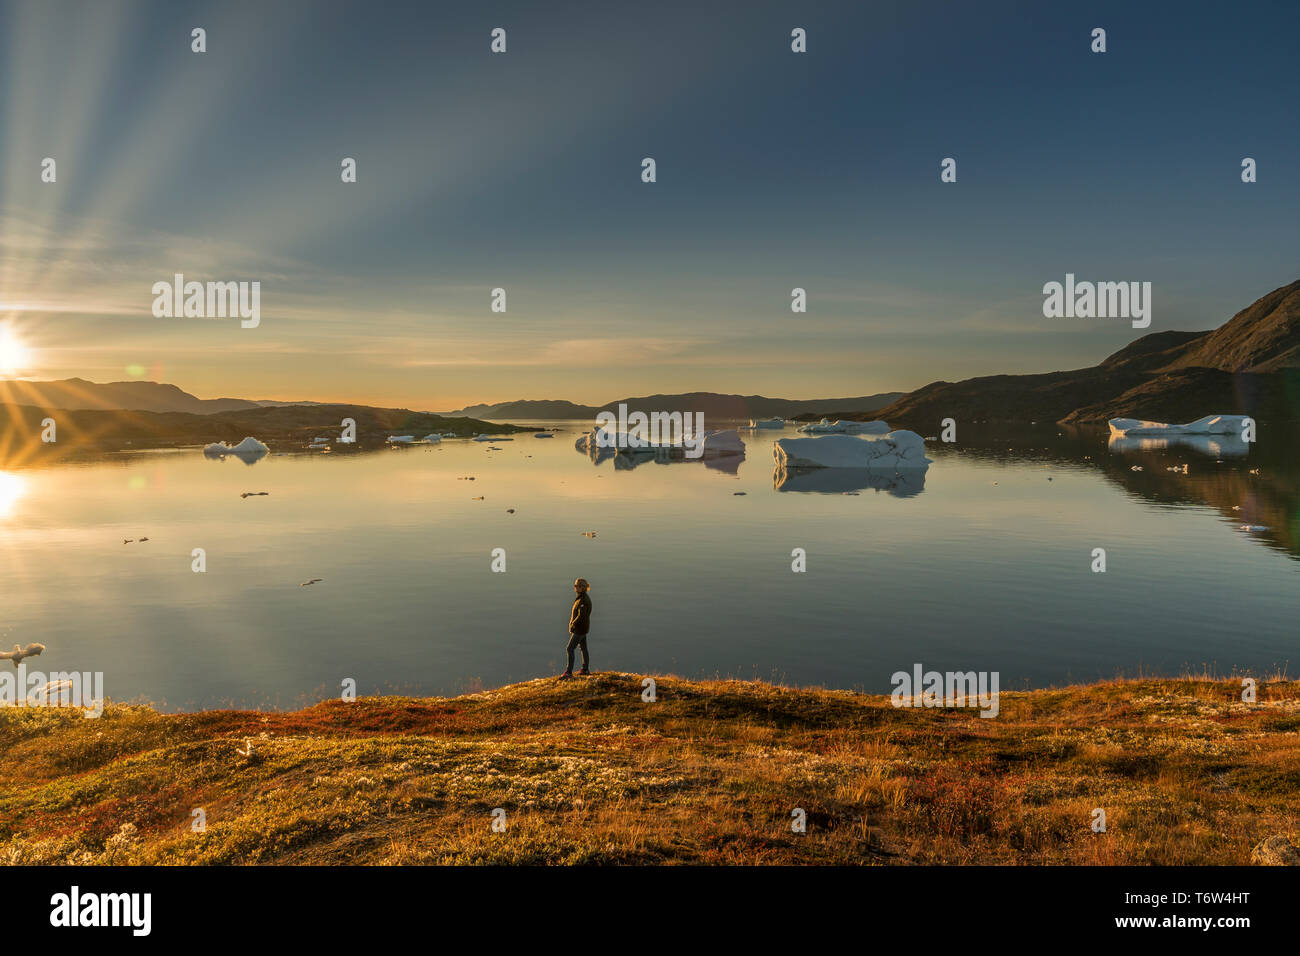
1214, 446
247, 456
904, 484
1255, 486
11, 489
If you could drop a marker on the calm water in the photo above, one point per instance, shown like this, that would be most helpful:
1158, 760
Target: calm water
985, 565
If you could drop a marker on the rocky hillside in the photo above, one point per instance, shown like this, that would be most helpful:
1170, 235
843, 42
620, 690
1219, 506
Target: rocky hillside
1250, 365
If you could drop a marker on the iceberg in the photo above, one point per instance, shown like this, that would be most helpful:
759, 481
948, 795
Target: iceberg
1209, 425
400, 439
767, 423
248, 451
432, 439
722, 442
491, 438
840, 427
897, 451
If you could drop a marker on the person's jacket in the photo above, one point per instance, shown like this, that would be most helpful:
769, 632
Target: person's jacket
580, 619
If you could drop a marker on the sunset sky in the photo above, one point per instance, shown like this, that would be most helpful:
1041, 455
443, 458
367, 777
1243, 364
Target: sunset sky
522, 170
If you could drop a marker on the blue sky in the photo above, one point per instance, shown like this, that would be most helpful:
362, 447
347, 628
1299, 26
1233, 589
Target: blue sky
522, 170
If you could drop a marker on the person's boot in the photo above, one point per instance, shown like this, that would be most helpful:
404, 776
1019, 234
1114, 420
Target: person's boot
566, 675
584, 673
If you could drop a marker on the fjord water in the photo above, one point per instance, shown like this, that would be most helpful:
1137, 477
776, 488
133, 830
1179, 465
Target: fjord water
985, 566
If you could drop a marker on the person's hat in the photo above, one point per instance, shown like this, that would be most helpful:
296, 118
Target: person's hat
582, 583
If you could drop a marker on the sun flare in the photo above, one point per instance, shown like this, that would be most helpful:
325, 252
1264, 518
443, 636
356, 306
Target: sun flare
15, 356
11, 489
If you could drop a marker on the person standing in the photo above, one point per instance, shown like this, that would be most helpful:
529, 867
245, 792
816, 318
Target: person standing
579, 625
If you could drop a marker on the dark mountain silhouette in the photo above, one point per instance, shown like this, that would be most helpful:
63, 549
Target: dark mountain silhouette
283, 427
1250, 365
715, 406
77, 393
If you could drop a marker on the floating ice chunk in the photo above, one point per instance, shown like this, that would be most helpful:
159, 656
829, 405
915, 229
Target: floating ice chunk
400, 439
249, 450
491, 438
1209, 425
723, 442
767, 423
433, 439
841, 427
896, 450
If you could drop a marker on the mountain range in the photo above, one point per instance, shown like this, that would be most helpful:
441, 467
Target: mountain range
1249, 365
714, 406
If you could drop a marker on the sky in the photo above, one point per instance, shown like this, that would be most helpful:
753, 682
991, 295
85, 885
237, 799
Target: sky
522, 170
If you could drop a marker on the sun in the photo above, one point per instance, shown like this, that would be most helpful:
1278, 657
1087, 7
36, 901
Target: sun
14, 355
11, 489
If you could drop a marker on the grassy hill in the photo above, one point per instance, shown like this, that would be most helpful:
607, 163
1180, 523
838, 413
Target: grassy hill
588, 773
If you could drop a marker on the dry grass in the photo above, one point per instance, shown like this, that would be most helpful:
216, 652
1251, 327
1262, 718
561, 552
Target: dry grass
588, 773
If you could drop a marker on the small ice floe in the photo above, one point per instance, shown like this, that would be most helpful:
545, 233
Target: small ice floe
1209, 425
306, 584
433, 439
1254, 527
18, 653
253, 494
767, 423
400, 439
248, 451
841, 427
492, 438
893, 451
318, 445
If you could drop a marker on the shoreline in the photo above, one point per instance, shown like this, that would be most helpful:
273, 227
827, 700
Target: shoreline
586, 771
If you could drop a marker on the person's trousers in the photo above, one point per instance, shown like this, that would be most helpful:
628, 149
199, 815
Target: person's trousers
579, 641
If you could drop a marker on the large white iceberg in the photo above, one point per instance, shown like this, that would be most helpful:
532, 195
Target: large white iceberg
897, 450
825, 427
1209, 425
